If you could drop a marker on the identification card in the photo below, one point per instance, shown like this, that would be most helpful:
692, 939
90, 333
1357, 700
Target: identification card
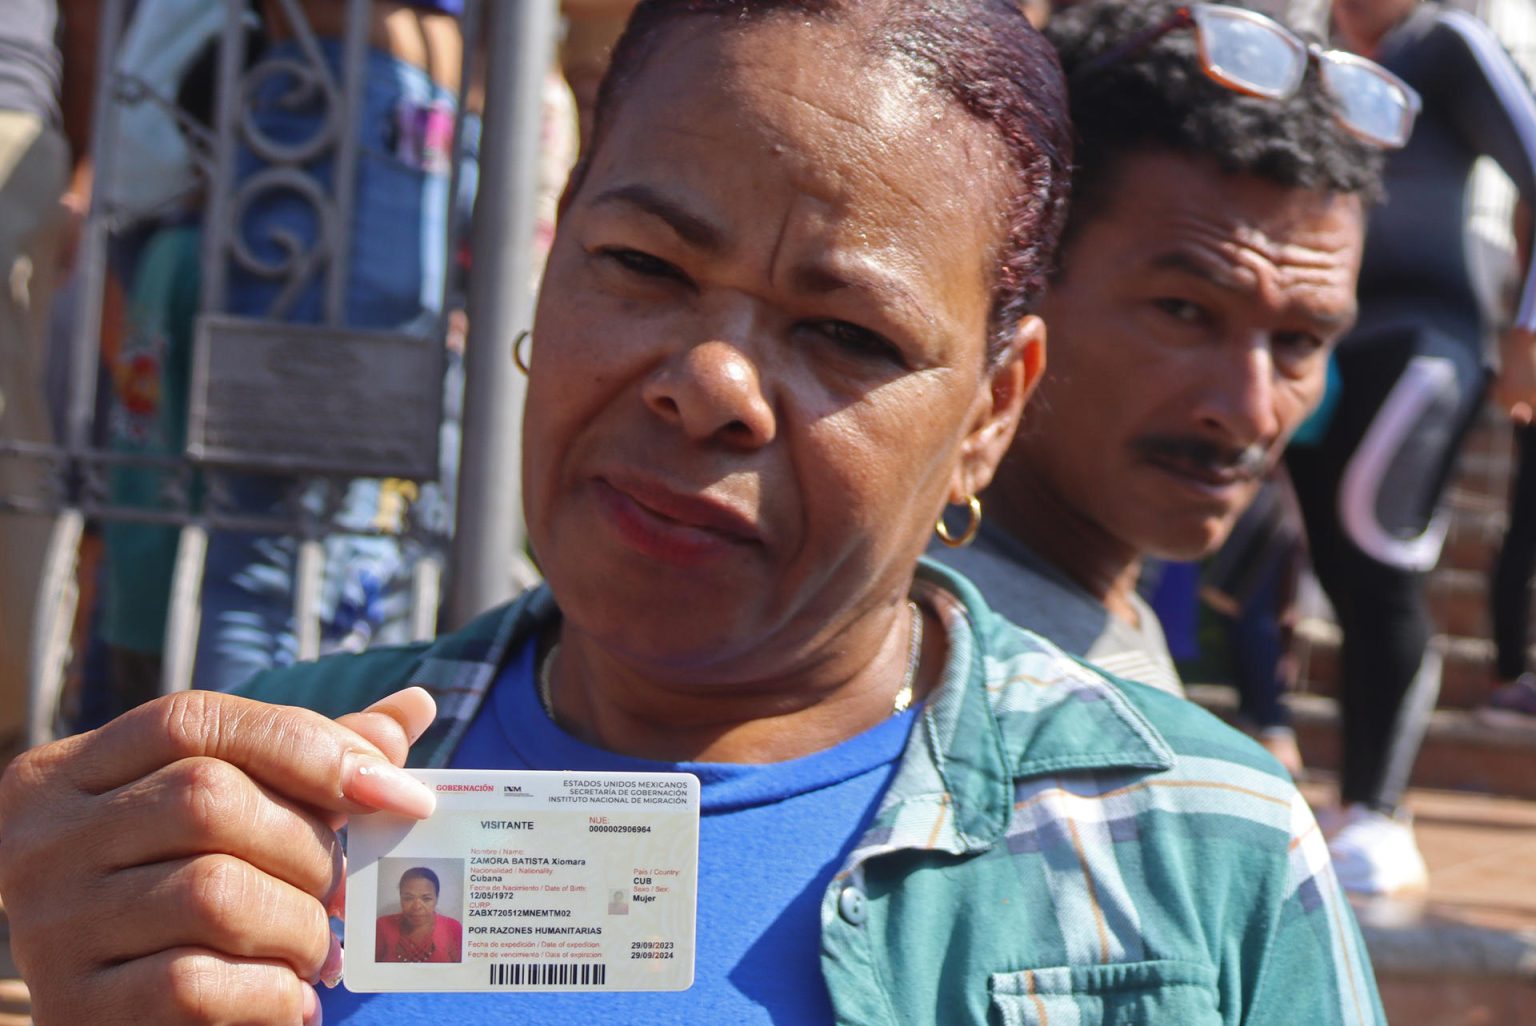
527, 880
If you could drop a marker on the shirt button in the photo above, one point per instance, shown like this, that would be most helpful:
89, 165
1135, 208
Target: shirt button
852, 904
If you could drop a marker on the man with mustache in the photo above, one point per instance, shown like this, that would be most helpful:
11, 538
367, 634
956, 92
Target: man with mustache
1207, 268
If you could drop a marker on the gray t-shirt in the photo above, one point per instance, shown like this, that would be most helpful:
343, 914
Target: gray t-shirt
29, 59
1035, 595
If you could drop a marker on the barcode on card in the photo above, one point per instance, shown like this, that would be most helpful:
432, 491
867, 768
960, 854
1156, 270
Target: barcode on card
548, 974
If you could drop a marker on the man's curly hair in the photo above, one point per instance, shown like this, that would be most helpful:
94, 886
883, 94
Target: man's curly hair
1159, 99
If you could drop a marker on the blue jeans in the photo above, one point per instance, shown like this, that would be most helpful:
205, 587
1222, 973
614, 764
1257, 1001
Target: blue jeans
397, 246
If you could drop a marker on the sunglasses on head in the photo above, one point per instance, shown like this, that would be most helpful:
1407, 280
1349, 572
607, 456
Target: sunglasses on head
1257, 56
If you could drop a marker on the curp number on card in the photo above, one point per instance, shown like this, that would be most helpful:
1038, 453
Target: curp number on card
528, 880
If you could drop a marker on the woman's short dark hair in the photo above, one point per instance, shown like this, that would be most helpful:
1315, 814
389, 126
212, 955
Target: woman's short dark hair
1159, 99
421, 873
983, 54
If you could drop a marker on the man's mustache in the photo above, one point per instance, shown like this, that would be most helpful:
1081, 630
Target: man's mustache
1251, 462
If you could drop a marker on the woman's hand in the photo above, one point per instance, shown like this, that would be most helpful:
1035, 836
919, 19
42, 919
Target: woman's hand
178, 865
1515, 388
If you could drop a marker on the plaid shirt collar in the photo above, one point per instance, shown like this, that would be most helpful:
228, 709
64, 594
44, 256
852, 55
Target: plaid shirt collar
1001, 714
991, 722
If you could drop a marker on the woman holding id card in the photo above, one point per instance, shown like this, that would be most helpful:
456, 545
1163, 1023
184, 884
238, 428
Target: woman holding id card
785, 331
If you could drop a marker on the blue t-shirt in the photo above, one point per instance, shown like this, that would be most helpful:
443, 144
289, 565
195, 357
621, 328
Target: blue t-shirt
771, 837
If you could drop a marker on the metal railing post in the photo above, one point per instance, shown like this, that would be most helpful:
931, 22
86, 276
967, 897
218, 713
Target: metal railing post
488, 539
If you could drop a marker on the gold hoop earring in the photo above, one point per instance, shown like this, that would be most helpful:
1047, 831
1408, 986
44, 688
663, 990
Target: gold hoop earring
517, 351
972, 526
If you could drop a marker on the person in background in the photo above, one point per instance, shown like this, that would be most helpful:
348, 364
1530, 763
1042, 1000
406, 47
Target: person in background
1513, 701
1412, 380
148, 416
1207, 268
160, 264
41, 206
798, 222
1250, 586
398, 247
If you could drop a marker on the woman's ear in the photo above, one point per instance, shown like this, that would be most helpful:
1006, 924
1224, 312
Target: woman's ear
998, 406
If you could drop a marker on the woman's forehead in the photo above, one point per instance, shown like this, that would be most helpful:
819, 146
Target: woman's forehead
731, 116
701, 67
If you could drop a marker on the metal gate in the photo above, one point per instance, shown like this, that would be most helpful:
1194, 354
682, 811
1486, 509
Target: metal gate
310, 405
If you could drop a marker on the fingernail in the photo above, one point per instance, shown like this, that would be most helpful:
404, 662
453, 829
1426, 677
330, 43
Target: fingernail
413, 706
422, 697
336, 904
330, 972
372, 781
312, 1013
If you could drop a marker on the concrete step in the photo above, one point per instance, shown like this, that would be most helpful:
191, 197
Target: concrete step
1458, 602
1473, 539
1466, 676
1484, 475
1491, 435
1439, 998
1460, 753
1464, 954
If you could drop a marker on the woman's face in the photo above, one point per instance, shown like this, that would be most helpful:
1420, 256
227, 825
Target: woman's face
759, 365
418, 901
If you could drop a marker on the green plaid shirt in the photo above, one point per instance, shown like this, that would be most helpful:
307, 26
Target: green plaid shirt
1057, 848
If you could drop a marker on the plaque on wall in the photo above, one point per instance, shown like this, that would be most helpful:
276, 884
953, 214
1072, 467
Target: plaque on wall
300, 399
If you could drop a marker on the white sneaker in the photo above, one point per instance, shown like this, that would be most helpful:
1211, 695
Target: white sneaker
1374, 853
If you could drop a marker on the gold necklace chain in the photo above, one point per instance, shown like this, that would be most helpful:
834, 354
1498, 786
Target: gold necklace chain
903, 700
901, 704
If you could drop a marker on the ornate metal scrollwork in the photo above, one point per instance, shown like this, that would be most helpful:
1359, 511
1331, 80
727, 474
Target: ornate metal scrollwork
300, 258
307, 84
298, 78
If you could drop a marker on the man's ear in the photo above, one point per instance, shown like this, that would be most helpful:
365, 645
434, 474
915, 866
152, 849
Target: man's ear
999, 403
